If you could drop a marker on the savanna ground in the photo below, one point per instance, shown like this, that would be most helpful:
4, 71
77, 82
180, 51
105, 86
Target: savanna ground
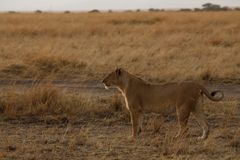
53, 105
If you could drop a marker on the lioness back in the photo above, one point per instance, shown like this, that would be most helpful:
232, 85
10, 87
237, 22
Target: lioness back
162, 98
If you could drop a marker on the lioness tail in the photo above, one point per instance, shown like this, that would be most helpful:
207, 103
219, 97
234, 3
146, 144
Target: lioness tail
212, 94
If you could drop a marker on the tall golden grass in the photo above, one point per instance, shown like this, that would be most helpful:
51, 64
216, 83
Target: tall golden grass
164, 46
44, 99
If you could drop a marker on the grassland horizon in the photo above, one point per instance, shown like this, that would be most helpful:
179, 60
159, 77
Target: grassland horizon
161, 46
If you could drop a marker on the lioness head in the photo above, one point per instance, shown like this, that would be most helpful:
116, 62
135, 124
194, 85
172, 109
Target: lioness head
114, 78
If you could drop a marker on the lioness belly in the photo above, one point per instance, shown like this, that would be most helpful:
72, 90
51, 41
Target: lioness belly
160, 108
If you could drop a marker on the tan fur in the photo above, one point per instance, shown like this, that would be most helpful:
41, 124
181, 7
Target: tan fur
142, 97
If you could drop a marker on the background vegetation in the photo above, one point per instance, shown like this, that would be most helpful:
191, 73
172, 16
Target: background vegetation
159, 46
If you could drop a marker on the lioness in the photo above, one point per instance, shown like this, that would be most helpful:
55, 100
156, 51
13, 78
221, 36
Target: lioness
141, 97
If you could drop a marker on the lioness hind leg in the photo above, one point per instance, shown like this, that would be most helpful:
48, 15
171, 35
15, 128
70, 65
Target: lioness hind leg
140, 124
199, 114
183, 114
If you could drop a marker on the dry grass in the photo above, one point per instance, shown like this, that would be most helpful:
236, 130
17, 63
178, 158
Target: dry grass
44, 121
100, 140
43, 99
164, 46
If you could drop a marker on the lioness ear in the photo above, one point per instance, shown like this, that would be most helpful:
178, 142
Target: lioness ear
118, 72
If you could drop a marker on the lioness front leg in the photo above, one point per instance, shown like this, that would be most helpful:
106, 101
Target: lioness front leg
135, 118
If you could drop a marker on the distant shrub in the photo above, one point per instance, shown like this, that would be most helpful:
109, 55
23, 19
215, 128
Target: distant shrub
128, 11
210, 7
12, 12
94, 11
214, 7
153, 10
38, 11
197, 9
66, 12
185, 10
225, 8
237, 9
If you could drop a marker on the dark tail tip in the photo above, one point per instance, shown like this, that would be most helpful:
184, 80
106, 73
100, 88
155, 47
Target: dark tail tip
214, 93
